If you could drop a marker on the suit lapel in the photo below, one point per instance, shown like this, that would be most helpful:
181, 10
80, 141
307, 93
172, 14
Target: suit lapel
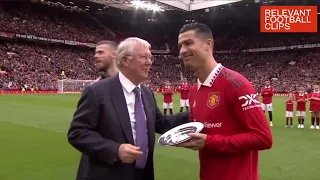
146, 103
120, 106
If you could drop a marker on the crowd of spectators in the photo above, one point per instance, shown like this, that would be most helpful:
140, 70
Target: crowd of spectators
49, 22
39, 65
287, 70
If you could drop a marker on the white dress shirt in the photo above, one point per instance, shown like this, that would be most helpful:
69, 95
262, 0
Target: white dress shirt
129, 95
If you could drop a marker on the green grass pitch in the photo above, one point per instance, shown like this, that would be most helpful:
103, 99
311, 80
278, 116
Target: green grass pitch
34, 144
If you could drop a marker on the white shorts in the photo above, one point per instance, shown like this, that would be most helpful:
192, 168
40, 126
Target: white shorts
267, 107
301, 113
289, 114
184, 102
167, 105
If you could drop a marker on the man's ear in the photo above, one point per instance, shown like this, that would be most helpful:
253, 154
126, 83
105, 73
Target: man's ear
209, 45
113, 54
124, 61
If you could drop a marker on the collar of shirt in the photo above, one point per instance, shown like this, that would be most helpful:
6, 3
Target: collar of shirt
317, 92
267, 86
126, 83
212, 76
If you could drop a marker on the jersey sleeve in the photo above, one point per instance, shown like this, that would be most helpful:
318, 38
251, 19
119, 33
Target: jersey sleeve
272, 91
247, 110
262, 91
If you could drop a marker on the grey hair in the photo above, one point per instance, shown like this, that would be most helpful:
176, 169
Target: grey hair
127, 46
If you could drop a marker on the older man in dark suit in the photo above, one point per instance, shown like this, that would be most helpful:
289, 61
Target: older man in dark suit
116, 120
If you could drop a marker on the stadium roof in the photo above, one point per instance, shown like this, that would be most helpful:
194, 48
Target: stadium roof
191, 5
161, 5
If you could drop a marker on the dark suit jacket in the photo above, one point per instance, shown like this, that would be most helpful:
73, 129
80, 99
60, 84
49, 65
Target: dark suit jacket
101, 123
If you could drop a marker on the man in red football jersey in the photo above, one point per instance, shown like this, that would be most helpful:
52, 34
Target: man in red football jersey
301, 99
167, 92
105, 59
289, 110
235, 127
184, 90
315, 107
267, 93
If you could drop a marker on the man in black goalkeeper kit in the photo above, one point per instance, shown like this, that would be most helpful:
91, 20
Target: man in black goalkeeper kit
105, 55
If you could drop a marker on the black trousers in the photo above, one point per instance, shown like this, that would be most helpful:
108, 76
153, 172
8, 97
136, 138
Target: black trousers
140, 174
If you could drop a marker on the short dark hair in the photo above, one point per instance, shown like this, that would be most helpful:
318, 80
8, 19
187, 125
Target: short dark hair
109, 43
199, 28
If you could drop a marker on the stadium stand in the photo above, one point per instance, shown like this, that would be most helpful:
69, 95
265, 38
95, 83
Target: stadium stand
50, 22
37, 64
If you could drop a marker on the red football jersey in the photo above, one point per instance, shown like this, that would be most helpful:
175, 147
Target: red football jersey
167, 92
267, 93
235, 125
184, 89
289, 105
315, 104
301, 101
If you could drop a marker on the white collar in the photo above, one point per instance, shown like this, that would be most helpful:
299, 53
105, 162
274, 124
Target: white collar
212, 76
316, 92
126, 83
302, 94
267, 86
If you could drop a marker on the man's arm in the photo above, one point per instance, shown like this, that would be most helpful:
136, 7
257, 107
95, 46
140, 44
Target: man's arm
272, 91
82, 134
258, 135
167, 122
262, 92
163, 92
305, 97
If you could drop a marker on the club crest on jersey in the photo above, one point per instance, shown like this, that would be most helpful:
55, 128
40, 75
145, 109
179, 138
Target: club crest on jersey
213, 99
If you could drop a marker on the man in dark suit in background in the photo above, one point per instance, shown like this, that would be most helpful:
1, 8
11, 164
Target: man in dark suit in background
116, 120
